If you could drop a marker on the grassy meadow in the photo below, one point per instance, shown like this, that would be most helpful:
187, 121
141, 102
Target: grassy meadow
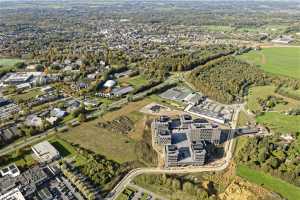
116, 146
8, 63
279, 122
283, 188
262, 92
276, 60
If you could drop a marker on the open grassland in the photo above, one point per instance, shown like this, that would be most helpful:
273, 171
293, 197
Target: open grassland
244, 119
25, 96
136, 81
278, 60
295, 94
279, 122
285, 189
262, 92
115, 146
167, 191
8, 63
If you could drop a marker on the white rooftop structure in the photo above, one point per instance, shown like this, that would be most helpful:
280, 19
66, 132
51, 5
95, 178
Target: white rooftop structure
46, 88
33, 120
13, 194
45, 152
10, 170
109, 83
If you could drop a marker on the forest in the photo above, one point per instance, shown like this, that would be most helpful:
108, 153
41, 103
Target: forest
273, 156
226, 79
185, 61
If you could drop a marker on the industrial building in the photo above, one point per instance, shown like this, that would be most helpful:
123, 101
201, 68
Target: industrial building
185, 139
200, 105
45, 152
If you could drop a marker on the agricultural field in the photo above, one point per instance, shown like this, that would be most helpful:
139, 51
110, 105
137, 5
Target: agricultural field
262, 92
279, 122
285, 189
276, 60
8, 63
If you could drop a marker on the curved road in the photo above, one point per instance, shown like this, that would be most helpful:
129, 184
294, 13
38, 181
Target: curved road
114, 193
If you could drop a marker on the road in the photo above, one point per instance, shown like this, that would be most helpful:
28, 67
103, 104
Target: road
140, 189
223, 163
31, 140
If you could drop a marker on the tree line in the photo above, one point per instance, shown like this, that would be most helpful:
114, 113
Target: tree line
174, 185
273, 156
184, 61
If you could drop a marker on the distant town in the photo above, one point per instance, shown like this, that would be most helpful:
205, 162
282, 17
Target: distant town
160, 100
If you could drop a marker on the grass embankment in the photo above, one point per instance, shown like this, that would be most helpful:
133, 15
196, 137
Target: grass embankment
285, 189
278, 60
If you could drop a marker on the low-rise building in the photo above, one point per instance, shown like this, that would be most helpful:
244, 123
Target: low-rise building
10, 170
45, 152
13, 194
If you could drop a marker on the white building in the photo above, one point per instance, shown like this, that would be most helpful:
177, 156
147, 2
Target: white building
45, 152
33, 120
10, 170
13, 194
109, 83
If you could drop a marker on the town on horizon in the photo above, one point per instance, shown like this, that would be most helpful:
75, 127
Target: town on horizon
149, 100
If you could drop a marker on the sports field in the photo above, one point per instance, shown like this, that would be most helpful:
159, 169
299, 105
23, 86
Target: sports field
276, 60
285, 189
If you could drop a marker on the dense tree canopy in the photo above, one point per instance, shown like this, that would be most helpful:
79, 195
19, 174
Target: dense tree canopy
226, 79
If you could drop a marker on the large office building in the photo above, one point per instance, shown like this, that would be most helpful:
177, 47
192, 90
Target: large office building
185, 139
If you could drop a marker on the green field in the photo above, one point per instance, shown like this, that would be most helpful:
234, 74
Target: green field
136, 81
276, 60
115, 146
262, 92
285, 189
295, 94
280, 123
8, 63
25, 96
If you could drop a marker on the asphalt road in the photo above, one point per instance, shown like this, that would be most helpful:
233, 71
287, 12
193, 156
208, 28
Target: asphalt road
222, 164
143, 190
31, 140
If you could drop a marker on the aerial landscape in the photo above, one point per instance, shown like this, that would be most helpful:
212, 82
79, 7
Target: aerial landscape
149, 100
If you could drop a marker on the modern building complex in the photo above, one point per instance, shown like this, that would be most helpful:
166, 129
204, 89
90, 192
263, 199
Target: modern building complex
185, 139
200, 105
45, 152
